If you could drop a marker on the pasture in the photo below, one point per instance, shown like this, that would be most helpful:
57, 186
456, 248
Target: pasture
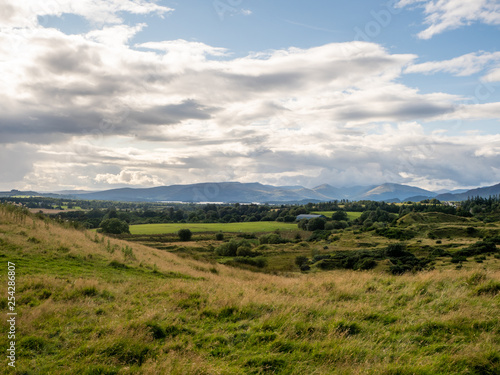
248, 227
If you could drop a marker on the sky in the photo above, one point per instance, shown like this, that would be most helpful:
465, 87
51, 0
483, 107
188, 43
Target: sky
102, 94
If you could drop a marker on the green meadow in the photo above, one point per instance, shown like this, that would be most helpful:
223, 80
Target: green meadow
249, 227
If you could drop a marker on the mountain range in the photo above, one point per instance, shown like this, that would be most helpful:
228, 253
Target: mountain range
232, 192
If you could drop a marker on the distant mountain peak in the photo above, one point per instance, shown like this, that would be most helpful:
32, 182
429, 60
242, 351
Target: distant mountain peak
234, 191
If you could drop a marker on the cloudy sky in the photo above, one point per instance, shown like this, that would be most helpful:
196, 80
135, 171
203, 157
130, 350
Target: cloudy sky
99, 94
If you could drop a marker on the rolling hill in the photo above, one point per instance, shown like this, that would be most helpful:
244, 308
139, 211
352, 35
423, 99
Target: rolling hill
231, 192
394, 191
483, 192
227, 192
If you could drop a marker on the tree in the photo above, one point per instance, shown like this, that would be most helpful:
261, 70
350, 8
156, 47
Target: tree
184, 234
114, 226
340, 216
317, 223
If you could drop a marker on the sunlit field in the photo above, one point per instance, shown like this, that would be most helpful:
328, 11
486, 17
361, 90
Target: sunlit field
250, 227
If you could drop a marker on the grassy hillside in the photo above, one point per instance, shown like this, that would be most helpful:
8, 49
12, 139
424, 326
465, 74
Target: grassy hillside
87, 304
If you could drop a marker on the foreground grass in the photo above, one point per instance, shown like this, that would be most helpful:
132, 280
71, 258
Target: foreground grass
249, 227
89, 305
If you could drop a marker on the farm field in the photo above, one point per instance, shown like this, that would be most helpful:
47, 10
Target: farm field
351, 215
249, 227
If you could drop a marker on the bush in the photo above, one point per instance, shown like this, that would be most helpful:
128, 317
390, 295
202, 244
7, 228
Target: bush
227, 249
340, 216
480, 247
184, 234
248, 236
458, 259
342, 224
219, 236
319, 235
305, 267
246, 251
396, 250
271, 238
318, 223
114, 226
329, 226
366, 264
395, 233
230, 249
301, 260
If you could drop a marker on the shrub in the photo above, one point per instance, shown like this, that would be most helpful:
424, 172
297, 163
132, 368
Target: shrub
301, 260
219, 236
114, 226
248, 236
340, 216
230, 248
478, 248
184, 234
395, 233
246, 251
396, 250
319, 235
305, 267
318, 223
271, 238
339, 224
458, 259
329, 226
366, 264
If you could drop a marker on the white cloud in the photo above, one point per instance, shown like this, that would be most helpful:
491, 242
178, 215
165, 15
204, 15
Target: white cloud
444, 15
492, 76
94, 112
26, 13
115, 35
475, 111
464, 65
128, 177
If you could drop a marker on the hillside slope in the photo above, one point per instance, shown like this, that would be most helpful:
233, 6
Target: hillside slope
88, 304
394, 191
484, 192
